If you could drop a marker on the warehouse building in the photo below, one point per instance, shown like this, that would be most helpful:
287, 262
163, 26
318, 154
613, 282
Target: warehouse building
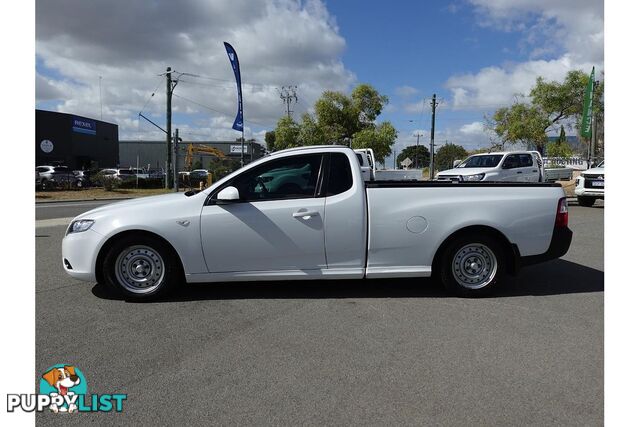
153, 154
75, 141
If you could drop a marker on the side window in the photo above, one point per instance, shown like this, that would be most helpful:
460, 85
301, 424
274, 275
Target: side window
340, 177
292, 177
360, 159
510, 162
525, 160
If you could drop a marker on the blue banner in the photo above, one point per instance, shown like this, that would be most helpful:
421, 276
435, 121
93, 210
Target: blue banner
238, 124
82, 125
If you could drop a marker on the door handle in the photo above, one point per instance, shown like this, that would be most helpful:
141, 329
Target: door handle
519, 172
535, 170
305, 214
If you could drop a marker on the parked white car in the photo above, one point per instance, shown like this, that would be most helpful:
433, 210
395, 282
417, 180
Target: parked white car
513, 166
590, 185
306, 213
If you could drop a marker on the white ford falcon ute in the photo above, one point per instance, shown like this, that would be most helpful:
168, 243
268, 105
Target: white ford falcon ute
306, 214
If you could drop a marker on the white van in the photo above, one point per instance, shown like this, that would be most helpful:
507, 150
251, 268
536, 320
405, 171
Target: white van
512, 166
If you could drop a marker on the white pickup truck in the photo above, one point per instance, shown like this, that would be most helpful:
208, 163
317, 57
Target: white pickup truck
512, 166
306, 213
590, 185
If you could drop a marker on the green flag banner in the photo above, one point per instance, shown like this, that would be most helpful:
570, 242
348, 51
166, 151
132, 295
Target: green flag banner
587, 113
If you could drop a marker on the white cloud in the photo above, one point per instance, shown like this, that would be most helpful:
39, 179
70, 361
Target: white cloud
475, 128
573, 29
279, 42
406, 91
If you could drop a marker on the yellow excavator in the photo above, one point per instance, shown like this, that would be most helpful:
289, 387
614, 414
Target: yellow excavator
201, 149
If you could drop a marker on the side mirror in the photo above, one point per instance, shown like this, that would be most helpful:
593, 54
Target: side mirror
456, 163
229, 194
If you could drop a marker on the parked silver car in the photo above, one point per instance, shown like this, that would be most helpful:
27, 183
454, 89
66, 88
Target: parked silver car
56, 176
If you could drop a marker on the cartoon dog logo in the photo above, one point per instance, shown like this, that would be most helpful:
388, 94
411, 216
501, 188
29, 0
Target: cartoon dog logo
62, 379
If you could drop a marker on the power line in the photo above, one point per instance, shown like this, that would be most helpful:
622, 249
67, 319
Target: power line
217, 111
152, 94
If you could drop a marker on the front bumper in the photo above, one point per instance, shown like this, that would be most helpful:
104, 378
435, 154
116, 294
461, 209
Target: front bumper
79, 253
589, 192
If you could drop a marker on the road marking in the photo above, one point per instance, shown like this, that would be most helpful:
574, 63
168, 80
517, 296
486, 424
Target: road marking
55, 222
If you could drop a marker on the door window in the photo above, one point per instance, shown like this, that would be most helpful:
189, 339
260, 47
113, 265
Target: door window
510, 162
525, 160
340, 178
294, 177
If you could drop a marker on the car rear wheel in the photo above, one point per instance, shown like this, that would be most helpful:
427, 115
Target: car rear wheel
141, 267
472, 265
586, 201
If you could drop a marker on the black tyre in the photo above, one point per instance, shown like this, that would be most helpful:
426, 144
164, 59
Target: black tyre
78, 184
472, 265
586, 201
141, 267
45, 185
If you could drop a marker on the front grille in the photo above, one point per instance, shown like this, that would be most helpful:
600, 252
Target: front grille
448, 178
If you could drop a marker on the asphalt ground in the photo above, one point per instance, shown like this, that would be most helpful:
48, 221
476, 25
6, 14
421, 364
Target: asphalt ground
375, 352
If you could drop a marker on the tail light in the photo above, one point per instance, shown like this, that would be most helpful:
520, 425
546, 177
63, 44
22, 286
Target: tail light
562, 214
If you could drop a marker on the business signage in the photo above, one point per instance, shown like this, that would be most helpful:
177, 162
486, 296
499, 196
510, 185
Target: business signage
238, 149
82, 125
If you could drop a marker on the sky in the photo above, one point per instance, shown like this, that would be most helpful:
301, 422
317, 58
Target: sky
104, 59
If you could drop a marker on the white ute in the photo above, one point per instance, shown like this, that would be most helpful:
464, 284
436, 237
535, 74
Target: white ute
590, 185
306, 213
513, 166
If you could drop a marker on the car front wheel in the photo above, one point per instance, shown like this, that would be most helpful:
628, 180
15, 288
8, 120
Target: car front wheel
472, 265
141, 267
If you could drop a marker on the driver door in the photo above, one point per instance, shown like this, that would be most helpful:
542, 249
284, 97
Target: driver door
277, 224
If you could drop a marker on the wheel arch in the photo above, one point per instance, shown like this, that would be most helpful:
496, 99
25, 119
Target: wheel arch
135, 232
510, 249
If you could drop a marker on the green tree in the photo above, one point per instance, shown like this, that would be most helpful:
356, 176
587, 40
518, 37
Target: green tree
446, 154
551, 103
560, 147
310, 132
287, 134
379, 138
418, 154
341, 119
270, 140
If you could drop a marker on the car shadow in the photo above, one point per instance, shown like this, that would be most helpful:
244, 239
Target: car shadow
552, 278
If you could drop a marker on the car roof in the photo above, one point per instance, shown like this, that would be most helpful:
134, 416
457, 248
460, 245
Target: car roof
308, 147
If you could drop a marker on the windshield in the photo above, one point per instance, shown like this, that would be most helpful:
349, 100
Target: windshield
481, 161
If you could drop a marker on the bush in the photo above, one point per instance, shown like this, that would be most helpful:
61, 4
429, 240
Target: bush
107, 181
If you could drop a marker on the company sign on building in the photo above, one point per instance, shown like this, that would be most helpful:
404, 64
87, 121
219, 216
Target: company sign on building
238, 149
82, 125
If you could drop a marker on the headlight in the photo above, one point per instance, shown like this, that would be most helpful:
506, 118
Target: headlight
476, 177
80, 225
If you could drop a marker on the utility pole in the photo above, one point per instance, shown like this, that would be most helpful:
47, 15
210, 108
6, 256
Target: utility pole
176, 140
171, 85
100, 84
168, 162
433, 130
287, 94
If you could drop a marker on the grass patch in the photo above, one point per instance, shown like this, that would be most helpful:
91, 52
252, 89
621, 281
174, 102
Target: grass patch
98, 193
